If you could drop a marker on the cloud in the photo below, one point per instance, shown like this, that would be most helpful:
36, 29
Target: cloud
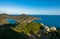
13, 10
22, 10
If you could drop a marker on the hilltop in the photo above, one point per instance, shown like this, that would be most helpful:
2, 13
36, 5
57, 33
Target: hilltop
25, 28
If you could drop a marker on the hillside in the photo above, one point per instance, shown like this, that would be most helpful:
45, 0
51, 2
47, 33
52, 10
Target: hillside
32, 30
25, 28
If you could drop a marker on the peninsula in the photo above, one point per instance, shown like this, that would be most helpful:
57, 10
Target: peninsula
26, 28
20, 18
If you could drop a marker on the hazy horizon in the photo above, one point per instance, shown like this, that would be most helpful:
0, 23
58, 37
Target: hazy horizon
35, 7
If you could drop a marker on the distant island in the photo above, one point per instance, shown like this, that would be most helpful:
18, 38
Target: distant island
25, 28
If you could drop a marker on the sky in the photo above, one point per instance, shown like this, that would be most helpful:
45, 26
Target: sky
35, 7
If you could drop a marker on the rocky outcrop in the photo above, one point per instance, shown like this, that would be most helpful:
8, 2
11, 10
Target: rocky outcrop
48, 29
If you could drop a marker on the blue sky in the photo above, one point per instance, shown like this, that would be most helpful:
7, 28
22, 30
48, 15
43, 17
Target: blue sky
38, 7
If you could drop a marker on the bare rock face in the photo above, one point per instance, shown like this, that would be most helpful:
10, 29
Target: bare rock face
53, 28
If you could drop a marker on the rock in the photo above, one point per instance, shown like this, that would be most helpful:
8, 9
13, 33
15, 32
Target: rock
53, 28
42, 24
47, 28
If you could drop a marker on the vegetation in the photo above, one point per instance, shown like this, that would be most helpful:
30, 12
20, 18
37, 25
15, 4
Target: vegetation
24, 30
33, 26
28, 31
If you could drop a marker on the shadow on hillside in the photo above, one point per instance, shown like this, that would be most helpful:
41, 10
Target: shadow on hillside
7, 33
7, 25
34, 36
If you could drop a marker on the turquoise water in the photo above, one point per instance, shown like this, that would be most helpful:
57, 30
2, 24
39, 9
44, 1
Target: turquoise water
49, 20
12, 21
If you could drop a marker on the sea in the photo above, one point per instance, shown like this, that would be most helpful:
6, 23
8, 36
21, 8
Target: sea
47, 20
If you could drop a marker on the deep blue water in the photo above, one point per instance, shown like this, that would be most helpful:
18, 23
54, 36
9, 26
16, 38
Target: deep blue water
49, 20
